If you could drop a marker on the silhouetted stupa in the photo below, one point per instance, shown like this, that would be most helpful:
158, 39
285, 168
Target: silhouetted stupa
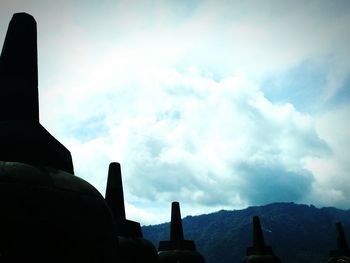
133, 248
50, 215
259, 253
342, 253
47, 213
177, 249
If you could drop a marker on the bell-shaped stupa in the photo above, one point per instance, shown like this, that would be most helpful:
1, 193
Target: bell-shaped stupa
342, 253
132, 246
47, 213
259, 253
177, 249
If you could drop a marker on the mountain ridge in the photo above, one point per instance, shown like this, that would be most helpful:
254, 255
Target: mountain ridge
296, 232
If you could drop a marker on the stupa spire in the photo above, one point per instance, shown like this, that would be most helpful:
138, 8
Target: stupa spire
258, 237
342, 244
132, 246
259, 252
176, 230
342, 252
19, 70
22, 138
177, 249
114, 191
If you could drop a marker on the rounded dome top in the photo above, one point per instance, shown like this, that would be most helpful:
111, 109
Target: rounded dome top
51, 215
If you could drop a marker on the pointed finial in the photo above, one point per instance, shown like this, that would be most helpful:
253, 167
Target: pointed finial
342, 244
114, 191
177, 247
176, 231
342, 252
22, 138
259, 252
115, 201
19, 70
258, 237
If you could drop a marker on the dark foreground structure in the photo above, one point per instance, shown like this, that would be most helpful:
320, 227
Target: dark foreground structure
50, 215
177, 249
47, 213
133, 248
342, 253
259, 253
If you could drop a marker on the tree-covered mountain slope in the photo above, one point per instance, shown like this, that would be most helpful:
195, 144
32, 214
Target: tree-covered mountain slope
297, 233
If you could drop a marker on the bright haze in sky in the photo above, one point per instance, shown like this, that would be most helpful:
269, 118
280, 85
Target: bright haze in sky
215, 104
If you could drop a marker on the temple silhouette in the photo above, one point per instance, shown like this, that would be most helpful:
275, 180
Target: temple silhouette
259, 253
177, 249
132, 247
342, 253
48, 214
51, 215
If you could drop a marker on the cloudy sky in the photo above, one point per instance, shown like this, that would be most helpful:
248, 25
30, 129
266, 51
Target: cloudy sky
215, 104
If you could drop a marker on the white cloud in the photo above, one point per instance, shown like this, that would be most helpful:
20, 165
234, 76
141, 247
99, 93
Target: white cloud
184, 136
331, 171
177, 100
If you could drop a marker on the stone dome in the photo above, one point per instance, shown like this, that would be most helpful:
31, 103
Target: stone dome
50, 215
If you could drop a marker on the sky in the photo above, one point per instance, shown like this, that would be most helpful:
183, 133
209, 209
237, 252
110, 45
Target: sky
215, 104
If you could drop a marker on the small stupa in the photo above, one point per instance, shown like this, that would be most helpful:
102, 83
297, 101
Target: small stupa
47, 213
342, 253
259, 253
132, 246
177, 249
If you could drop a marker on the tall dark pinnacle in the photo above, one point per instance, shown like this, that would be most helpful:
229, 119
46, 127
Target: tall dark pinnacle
342, 244
115, 200
259, 252
19, 70
258, 238
132, 247
22, 138
176, 231
114, 192
177, 240
177, 249
342, 252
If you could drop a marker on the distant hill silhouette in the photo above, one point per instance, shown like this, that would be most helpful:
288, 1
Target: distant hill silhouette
297, 233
